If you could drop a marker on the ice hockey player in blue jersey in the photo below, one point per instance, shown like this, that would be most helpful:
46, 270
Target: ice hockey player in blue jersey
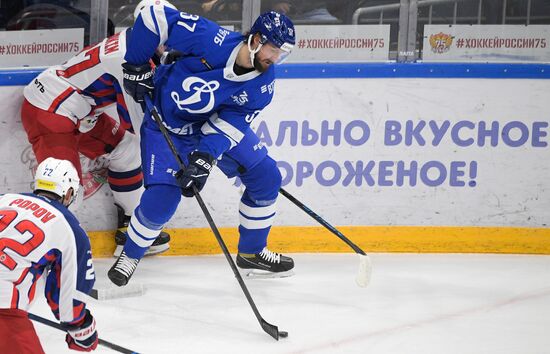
207, 99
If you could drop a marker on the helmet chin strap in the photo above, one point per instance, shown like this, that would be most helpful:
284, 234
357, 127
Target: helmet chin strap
67, 199
76, 197
253, 51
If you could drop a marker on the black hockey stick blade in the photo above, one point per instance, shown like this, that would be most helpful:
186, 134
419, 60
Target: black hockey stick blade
102, 342
273, 330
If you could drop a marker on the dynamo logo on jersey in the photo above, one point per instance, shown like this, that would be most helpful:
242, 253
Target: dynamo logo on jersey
202, 89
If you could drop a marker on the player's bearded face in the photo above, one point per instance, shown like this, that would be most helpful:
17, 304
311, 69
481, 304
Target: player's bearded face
267, 56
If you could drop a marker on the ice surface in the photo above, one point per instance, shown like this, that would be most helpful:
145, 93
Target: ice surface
430, 303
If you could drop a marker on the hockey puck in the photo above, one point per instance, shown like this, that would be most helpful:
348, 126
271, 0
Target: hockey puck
283, 334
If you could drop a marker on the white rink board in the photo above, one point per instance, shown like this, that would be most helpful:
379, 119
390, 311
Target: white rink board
512, 184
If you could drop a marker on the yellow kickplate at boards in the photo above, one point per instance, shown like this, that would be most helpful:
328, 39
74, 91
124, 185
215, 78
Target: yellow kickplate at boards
415, 239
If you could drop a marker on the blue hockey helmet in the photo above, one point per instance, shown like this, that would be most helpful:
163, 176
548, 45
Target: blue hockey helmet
276, 29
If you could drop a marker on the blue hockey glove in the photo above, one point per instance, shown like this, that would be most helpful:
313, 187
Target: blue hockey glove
196, 172
83, 337
138, 80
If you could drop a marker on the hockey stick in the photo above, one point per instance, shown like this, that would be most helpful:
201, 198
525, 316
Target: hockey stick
270, 329
365, 267
102, 342
130, 290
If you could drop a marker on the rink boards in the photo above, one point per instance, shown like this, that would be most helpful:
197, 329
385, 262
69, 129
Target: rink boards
402, 158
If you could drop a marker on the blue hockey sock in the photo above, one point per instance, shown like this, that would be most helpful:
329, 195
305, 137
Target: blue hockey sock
141, 234
158, 204
255, 223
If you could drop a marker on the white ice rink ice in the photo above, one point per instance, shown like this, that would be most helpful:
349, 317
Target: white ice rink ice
415, 303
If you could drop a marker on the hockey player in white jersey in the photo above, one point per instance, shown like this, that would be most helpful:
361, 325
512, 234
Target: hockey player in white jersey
64, 114
39, 236
207, 100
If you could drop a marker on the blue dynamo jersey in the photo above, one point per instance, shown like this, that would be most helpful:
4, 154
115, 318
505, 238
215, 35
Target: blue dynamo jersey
200, 93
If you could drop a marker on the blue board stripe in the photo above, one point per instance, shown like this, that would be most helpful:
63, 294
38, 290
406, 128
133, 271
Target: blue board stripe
366, 70
416, 70
18, 77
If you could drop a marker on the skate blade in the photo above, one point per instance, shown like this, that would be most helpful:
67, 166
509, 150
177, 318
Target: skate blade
118, 251
151, 251
263, 274
154, 250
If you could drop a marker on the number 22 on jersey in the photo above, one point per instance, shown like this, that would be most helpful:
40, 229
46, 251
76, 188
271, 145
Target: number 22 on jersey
23, 249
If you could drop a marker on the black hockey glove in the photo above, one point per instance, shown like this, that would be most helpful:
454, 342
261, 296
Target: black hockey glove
170, 57
196, 172
138, 80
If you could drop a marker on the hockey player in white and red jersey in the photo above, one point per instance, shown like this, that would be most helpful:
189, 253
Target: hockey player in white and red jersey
39, 236
64, 114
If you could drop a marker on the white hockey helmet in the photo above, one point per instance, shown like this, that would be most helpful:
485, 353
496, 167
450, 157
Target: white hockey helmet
57, 177
144, 3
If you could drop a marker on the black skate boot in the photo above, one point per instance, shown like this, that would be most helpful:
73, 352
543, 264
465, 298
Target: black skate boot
159, 245
265, 264
121, 272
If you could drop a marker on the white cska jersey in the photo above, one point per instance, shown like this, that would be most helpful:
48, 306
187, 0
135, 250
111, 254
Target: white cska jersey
42, 237
86, 84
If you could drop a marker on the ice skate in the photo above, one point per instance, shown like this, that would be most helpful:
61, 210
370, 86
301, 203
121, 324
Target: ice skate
121, 272
266, 264
161, 243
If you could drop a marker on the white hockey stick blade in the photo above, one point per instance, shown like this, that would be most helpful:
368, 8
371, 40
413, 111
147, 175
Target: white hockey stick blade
130, 290
365, 270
